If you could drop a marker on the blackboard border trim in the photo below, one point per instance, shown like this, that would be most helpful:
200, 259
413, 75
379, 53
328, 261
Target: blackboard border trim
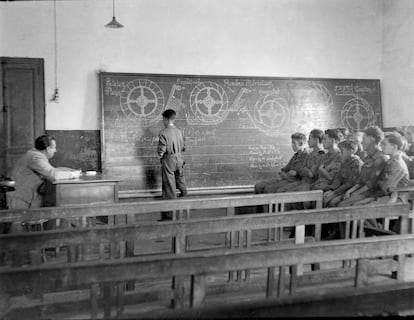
103, 74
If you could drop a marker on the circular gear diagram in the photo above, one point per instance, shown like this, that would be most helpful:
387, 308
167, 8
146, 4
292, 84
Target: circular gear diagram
357, 114
209, 102
143, 99
271, 114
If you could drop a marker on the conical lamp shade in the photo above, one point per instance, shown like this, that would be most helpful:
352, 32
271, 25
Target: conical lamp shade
114, 24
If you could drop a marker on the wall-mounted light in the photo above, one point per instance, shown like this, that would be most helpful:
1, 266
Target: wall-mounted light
114, 23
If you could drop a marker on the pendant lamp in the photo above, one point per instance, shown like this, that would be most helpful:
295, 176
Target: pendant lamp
114, 23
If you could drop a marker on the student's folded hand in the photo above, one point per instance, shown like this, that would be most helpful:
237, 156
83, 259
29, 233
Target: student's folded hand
291, 173
347, 195
305, 172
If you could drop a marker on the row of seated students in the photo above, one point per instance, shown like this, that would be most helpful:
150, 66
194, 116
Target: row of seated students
351, 169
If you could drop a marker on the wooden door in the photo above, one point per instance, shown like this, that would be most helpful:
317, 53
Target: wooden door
23, 107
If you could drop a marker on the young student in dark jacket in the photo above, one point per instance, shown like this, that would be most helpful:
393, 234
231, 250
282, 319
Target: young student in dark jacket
374, 164
308, 173
331, 160
290, 172
347, 175
395, 173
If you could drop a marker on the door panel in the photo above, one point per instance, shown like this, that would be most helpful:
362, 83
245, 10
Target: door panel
20, 109
23, 106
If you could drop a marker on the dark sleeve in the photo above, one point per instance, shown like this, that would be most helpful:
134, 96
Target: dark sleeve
379, 167
354, 172
287, 167
336, 182
334, 166
162, 145
184, 142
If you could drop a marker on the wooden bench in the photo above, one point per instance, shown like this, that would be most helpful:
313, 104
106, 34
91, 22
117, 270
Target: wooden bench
181, 208
241, 226
180, 230
404, 194
129, 213
195, 267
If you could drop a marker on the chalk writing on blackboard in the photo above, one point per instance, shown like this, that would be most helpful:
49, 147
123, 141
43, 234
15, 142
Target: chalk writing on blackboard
113, 87
264, 156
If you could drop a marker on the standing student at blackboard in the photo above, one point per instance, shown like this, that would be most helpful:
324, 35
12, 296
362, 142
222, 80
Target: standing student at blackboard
171, 144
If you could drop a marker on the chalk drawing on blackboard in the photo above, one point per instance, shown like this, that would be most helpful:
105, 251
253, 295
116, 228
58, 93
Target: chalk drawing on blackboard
323, 94
357, 114
239, 101
174, 102
209, 103
271, 114
142, 99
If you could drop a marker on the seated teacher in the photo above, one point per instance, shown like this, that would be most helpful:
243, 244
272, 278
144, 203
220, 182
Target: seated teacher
32, 170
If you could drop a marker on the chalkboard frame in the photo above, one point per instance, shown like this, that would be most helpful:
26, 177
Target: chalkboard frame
102, 75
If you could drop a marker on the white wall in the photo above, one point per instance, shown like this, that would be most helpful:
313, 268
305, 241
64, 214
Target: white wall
304, 38
398, 63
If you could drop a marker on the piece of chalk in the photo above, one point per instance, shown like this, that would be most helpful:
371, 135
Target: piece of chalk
90, 173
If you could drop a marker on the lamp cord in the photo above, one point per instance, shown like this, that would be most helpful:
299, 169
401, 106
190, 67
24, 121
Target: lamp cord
113, 7
55, 39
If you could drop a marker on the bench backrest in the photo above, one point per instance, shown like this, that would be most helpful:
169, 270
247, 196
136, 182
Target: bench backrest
180, 230
181, 207
198, 266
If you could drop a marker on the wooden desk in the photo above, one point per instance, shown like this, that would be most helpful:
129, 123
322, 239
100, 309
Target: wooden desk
83, 190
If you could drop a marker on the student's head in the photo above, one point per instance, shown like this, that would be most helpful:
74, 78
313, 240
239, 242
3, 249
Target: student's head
46, 144
298, 141
315, 138
348, 148
372, 136
331, 138
344, 132
168, 116
392, 144
357, 136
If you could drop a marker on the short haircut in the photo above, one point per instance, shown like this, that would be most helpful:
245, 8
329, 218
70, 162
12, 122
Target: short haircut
169, 114
395, 140
44, 141
317, 134
334, 134
298, 136
375, 132
348, 145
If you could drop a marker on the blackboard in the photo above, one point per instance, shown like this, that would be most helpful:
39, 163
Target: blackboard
237, 128
77, 149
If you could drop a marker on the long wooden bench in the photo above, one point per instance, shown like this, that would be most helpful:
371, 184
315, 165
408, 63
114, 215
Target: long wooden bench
181, 208
130, 213
179, 230
197, 266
